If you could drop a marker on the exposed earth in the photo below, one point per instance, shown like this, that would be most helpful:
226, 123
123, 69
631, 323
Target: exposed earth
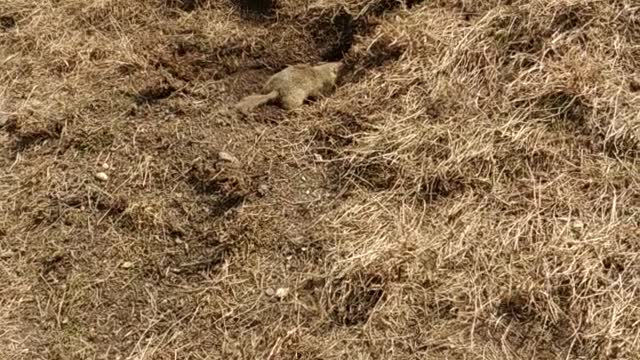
471, 190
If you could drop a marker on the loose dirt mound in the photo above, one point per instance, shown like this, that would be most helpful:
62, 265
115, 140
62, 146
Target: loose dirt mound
470, 191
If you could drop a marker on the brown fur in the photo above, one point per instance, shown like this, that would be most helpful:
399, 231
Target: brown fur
293, 85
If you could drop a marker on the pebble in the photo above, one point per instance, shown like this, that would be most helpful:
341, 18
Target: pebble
102, 176
105, 166
269, 292
127, 265
282, 293
225, 156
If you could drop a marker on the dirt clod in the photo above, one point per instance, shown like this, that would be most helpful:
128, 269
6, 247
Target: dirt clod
153, 94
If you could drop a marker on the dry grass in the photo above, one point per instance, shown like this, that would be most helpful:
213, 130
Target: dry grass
471, 190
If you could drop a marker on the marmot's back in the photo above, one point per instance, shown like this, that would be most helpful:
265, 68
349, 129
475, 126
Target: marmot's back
303, 77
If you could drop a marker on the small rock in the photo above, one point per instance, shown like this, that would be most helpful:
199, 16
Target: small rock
127, 265
269, 292
102, 176
105, 166
178, 241
282, 293
225, 156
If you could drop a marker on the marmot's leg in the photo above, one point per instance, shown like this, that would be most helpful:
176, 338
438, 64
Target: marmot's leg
293, 99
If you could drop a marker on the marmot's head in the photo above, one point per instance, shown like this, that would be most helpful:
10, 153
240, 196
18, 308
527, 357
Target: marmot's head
330, 71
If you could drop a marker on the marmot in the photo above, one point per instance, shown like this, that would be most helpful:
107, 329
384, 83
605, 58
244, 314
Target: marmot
293, 85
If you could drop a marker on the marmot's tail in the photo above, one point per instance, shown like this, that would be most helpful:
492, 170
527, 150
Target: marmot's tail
248, 103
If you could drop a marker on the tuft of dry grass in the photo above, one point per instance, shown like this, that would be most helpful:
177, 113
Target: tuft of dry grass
470, 191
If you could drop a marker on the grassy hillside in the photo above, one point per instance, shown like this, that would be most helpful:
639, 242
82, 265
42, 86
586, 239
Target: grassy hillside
470, 191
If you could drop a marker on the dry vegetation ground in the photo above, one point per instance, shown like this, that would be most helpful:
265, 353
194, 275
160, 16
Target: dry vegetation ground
471, 190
